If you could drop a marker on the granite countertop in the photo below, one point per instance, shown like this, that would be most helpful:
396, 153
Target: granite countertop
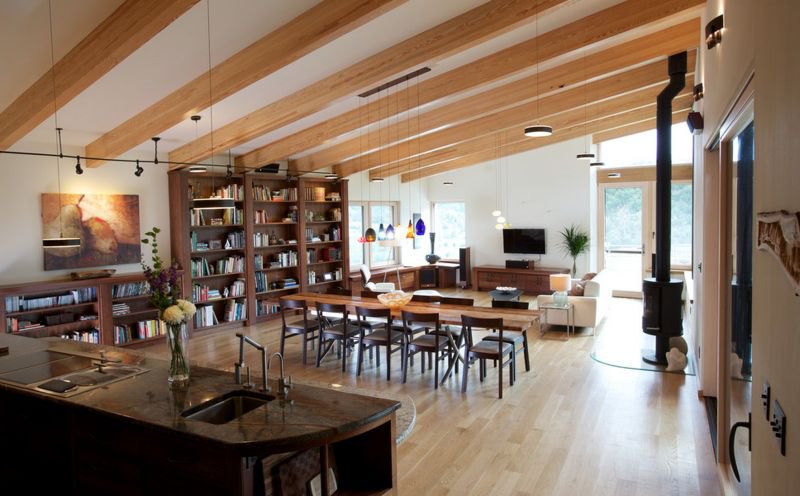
314, 415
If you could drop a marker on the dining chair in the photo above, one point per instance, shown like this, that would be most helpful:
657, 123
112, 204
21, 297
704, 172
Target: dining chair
366, 293
455, 330
514, 338
486, 350
307, 328
425, 298
377, 334
431, 342
332, 330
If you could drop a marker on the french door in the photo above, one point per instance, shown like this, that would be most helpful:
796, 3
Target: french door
625, 232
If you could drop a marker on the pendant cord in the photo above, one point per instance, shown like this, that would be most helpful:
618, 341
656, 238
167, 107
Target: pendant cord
55, 116
210, 96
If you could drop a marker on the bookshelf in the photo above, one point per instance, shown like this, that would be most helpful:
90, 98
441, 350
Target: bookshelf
212, 246
107, 310
293, 235
275, 241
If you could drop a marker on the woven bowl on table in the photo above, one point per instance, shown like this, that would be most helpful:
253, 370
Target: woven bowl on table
395, 299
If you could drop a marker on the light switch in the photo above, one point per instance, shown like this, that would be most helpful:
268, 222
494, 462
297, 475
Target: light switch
778, 425
765, 397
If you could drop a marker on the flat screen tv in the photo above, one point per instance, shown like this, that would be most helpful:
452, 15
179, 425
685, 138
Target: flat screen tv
528, 241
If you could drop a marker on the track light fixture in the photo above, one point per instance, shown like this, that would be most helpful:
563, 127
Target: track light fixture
139, 170
197, 169
78, 169
155, 145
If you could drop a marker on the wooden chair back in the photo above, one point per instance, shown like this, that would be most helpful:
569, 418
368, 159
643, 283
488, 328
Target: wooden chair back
518, 305
339, 291
292, 305
455, 300
366, 293
326, 310
426, 320
426, 298
468, 323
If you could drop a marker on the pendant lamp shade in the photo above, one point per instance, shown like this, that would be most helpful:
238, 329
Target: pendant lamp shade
390, 232
370, 236
497, 213
60, 242
213, 203
381, 233
538, 131
410, 231
420, 227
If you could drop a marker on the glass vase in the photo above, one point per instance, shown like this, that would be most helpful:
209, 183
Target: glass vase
177, 344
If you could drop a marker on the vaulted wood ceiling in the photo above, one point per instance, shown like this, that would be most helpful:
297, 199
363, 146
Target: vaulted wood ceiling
286, 90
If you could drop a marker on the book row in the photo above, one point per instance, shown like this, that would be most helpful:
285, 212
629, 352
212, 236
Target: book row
72, 297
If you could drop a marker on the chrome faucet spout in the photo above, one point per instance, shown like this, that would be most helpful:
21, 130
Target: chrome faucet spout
240, 366
284, 382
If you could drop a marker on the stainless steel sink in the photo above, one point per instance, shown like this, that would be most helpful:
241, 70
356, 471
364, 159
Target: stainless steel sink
230, 406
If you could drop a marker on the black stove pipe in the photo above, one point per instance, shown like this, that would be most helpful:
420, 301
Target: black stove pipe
677, 81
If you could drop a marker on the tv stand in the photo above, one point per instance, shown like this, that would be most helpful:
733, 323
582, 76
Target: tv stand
530, 281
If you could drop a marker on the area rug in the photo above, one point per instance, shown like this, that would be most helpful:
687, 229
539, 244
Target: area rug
620, 342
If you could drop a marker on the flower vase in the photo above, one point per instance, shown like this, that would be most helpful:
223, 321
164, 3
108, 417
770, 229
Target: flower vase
432, 258
177, 344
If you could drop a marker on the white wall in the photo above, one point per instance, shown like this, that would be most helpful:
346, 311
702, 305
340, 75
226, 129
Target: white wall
25, 178
545, 188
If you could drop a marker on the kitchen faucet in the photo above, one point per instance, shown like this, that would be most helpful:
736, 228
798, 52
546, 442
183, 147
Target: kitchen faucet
240, 365
284, 382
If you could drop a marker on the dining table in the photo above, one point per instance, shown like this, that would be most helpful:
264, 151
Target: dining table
515, 320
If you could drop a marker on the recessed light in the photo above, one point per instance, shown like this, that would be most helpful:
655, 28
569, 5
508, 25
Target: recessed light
596, 164
196, 169
585, 156
448, 183
614, 175
331, 176
538, 131
376, 180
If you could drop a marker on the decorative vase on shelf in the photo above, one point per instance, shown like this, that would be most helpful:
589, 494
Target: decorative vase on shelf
432, 258
177, 344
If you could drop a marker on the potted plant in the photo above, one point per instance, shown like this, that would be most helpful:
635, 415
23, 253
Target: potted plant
574, 242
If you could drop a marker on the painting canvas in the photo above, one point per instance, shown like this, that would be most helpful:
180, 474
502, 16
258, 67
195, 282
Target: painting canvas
108, 226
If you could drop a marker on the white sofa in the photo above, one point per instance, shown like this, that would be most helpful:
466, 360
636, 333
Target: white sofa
590, 309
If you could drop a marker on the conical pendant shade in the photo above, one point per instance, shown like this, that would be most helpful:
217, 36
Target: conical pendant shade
381, 232
370, 235
420, 227
390, 232
410, 231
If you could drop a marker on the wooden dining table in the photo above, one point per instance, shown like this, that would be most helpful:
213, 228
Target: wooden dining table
519, 320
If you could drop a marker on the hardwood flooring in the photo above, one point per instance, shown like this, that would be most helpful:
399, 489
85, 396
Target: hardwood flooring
569, 426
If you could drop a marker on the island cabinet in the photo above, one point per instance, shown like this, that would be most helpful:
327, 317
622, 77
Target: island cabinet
532, 281
134, 436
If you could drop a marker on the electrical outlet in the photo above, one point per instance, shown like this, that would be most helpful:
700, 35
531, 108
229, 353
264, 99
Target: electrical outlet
778, 424
765, 397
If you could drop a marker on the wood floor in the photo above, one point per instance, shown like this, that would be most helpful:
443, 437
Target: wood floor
570, 426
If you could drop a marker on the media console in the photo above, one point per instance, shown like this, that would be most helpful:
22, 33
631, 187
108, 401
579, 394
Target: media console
531, 281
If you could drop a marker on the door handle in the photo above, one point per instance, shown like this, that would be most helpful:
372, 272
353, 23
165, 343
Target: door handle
732, 442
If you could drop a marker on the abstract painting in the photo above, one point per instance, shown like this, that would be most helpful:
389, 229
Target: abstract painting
108, 226
779, 234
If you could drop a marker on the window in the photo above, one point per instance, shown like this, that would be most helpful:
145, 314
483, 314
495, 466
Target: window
681, 239
640, 148
362, 214
449, 224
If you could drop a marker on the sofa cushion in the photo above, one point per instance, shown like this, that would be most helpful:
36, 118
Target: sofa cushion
577, 288
588, 276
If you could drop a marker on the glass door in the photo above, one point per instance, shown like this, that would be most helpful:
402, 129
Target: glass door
624, 223
739, 329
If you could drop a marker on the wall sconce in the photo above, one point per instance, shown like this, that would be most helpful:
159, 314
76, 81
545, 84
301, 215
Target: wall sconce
697, 92
714, 32
695, 122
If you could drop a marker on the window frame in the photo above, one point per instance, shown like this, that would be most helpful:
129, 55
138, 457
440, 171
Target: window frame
366, 213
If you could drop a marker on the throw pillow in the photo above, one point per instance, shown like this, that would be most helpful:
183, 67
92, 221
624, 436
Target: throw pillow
589, 276
577, 288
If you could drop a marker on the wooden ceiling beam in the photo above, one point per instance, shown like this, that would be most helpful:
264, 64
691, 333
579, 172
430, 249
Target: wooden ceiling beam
129, 27
310, 30
662, 43
642, 114
394, 157
609, 22
484, 22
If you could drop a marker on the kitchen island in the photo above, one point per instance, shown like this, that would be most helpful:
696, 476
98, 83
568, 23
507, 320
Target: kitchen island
135, 435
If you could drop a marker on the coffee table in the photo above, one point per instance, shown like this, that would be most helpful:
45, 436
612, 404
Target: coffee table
505, 295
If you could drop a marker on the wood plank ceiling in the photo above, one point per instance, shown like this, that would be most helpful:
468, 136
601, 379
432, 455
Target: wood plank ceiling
492, 75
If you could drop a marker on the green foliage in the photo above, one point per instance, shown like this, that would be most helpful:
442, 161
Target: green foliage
575, 241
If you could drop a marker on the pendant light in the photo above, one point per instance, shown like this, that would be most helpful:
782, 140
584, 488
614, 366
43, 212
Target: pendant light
213, 202
369, 234
538, 130
61, 241
419, 227
587, 155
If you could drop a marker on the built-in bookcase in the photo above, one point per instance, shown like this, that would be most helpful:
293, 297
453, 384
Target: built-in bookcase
284, 236
111, 310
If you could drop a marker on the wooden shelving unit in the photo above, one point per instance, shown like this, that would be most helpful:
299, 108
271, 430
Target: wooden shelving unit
286, 229
113, 306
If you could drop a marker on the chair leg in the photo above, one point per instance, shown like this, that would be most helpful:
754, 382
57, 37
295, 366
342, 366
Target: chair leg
283, 341
360, 357
525, 352
464, 372
377, 356
344, 353
405, 362
388, 360
436, 371
319, 350
305, 346
500, 379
